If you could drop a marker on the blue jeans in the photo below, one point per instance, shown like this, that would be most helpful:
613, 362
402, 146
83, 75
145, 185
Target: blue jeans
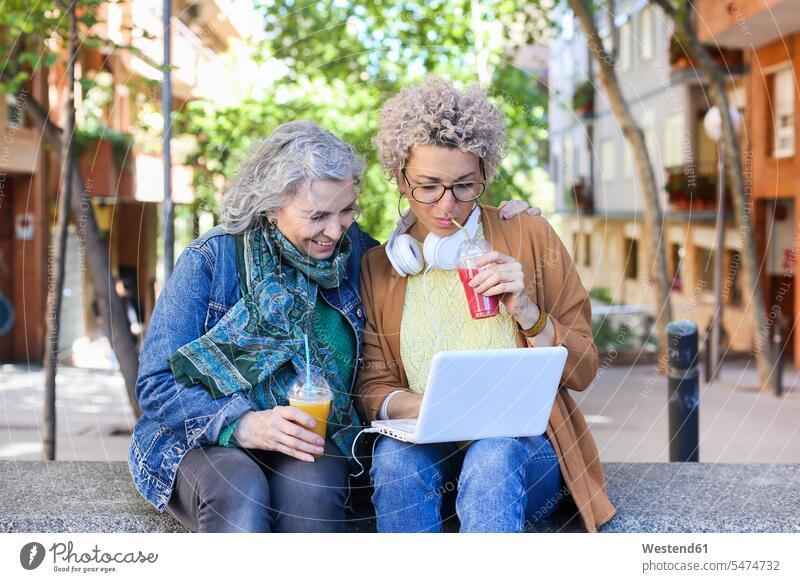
501, 484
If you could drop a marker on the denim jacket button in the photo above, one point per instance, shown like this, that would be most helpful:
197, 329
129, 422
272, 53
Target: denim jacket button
359, 313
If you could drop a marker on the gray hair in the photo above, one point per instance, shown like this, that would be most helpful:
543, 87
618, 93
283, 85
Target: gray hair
283, 165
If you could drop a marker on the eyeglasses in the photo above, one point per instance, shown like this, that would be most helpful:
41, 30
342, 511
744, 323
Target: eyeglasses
462, 191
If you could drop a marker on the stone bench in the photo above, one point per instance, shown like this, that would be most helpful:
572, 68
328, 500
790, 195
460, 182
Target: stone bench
61, 496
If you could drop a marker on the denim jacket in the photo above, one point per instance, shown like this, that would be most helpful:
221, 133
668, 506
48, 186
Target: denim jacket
177, 418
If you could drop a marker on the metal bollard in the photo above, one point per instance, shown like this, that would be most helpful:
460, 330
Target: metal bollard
684, 392
707, 356
780, 348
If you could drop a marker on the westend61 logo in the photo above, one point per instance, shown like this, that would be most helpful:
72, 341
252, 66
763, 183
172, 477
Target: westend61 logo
66, 559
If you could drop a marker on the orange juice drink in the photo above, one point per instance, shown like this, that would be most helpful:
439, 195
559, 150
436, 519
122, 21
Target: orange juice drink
314, 401
318, 409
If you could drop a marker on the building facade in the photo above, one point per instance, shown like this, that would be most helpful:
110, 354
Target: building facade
597, 190
768, 34
119, 141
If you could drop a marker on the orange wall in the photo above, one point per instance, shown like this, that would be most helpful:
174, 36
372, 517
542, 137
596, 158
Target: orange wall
771, 177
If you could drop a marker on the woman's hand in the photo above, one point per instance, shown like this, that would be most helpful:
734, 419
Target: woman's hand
284, 429
404, 405
502, 275
511, 208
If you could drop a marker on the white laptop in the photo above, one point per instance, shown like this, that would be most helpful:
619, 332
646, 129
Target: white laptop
480, 394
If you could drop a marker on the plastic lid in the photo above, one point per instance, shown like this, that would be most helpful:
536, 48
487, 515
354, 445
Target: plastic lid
473, 248
320, 389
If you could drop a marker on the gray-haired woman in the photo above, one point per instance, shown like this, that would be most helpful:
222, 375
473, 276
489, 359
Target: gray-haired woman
218, 445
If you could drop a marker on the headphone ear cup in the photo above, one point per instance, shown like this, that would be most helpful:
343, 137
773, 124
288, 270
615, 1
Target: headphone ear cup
442, 252
430, 248
408, 254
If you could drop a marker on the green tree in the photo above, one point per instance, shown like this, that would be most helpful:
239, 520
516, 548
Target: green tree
344, 59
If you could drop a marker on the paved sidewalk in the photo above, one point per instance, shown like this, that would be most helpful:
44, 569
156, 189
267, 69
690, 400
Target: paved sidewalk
628, 414
93, 417
626, 407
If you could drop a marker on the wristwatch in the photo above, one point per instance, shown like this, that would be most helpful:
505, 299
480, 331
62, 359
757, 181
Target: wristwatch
537, 327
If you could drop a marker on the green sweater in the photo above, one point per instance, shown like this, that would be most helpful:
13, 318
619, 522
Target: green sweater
333, 330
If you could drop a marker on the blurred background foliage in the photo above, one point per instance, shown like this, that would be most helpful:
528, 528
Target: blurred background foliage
337, 62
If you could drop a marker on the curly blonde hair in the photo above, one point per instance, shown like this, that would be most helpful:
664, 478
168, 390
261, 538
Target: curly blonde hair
435, 112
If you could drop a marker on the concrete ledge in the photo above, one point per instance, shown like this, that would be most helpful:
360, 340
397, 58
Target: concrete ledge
40, 496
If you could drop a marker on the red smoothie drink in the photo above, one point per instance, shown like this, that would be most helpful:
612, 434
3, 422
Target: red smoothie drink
480, 305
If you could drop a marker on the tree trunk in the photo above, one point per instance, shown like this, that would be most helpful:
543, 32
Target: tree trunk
654, 219
58, 252
731, 149
110, 305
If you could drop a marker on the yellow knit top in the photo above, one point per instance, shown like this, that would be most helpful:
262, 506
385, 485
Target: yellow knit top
443, 323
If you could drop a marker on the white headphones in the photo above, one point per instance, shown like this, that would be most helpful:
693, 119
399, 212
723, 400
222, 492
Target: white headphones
437, 252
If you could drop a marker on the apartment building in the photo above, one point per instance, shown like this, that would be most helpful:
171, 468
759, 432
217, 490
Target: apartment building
597, 190
119, 122
768, 34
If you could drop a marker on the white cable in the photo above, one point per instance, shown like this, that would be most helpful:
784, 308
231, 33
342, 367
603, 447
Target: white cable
428, 306
353, 450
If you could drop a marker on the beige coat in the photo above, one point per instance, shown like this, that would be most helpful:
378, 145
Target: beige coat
554, 285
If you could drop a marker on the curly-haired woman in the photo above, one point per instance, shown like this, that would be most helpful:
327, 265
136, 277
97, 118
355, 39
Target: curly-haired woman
442, 146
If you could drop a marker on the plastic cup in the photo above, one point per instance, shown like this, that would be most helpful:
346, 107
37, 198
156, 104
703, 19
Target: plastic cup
480, 306
316, 402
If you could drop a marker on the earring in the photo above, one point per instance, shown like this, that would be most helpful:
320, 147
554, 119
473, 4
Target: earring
399, 212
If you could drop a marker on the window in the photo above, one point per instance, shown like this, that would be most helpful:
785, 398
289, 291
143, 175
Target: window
704, 269
587, 250
555, 170
631, 258
569, 174
676, 256
650, 141
783, 107
607, 159
607, 39
673, 141
647, 33
625, 47
627, 162
567, 25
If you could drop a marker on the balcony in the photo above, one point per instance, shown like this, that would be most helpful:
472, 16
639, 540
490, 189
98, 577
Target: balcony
727, 59
746, 23
107, 165
583, 99
579, 197
692, 188
21, 146
188, 49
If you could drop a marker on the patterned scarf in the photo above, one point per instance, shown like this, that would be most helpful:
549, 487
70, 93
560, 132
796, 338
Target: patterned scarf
257, 347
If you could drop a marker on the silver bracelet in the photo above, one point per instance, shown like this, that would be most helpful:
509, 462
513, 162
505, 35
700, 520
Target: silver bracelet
382, 411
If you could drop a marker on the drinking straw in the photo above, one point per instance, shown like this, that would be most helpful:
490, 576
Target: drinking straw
464, 230
308, 367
